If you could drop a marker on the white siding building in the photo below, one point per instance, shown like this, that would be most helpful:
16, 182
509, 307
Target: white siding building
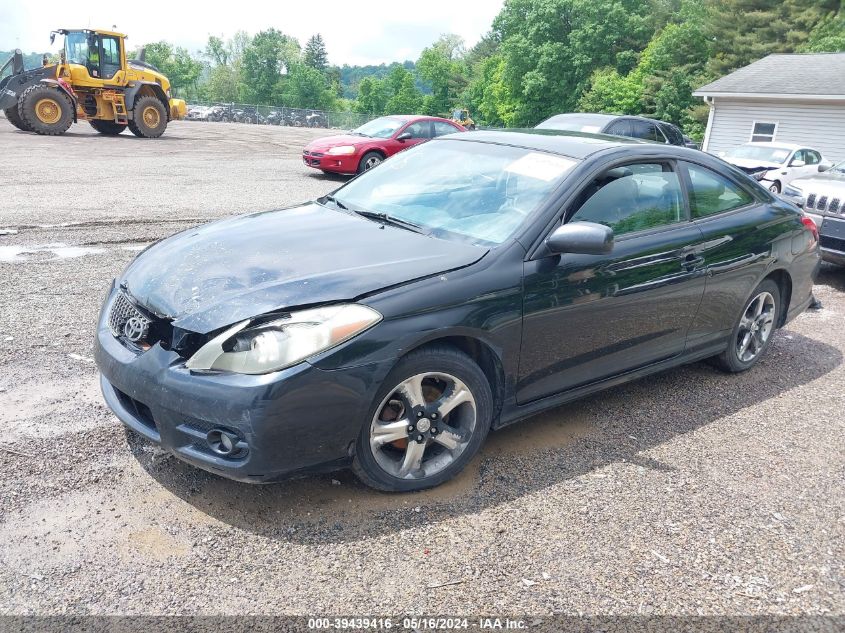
789, 98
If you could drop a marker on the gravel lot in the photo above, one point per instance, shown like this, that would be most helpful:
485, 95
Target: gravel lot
690, 492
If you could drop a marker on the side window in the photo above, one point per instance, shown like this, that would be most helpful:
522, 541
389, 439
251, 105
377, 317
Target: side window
811, 157
798, 157
420, 129
642, 129
441, 128
712, 193
673, 134
632, 198
110, 61
763, 131
622, 127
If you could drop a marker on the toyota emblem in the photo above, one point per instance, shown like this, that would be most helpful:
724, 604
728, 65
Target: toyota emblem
135, 329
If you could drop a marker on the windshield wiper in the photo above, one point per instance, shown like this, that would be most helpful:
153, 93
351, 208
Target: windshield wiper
338, 203
389, 219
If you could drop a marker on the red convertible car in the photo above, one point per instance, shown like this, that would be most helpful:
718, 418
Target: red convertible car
365, 147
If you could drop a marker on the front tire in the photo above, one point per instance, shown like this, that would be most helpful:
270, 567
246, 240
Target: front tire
149, 118
775, 187
368, 161
45, 110
109, 128
428, 420
751, 336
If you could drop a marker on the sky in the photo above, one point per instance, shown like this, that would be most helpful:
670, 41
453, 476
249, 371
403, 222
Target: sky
355, 32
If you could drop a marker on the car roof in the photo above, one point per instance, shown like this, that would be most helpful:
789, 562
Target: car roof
572, 144
412, 117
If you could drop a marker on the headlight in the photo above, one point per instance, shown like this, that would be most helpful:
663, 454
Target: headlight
283, 342
759, 175
792, 191
341, 150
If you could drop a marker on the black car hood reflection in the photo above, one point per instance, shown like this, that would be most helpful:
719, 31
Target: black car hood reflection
234, 269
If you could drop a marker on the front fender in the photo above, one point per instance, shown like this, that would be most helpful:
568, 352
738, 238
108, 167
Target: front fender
131, 95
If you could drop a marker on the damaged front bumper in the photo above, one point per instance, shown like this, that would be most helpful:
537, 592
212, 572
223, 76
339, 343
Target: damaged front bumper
300, 419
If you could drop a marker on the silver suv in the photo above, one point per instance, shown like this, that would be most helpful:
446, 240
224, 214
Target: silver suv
822, 196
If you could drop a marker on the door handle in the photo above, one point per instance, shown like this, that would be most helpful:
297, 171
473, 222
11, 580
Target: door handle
692, 262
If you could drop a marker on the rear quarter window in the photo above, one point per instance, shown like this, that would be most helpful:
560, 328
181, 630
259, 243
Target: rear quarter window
711, 193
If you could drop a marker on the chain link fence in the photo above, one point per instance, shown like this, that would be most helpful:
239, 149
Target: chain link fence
272, 115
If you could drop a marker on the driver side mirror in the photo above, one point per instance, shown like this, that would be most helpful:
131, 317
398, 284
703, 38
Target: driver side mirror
581, 238
824, 166
404, 136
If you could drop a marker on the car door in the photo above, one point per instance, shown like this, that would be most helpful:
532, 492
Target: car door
589, 317
795, 168
738, 232
420, 132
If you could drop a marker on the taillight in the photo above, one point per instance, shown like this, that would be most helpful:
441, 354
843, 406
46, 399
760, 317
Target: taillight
811, 226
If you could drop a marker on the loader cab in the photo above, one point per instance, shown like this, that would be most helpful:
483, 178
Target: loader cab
94, 57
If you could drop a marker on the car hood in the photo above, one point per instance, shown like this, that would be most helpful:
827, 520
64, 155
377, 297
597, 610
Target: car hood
826, 180
322, 144
750, 165
221, 273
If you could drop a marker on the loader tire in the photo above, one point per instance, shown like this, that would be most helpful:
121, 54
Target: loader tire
109, 128
46, 110
14, 118
149, 119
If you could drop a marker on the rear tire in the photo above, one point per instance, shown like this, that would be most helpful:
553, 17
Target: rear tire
109, 128
46, 110
149, 117
425, 449
751, 336
15, 119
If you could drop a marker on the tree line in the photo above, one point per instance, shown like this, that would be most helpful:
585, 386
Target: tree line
540, 57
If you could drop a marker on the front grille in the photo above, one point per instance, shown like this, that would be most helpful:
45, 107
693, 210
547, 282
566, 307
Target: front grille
121, 311
834, 206
822, 203
833, 243
811, 201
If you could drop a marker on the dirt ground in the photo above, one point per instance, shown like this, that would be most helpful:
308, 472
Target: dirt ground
691, 492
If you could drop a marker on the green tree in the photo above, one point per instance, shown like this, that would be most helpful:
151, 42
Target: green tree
746, 30
829, 35
373, 95
306, 87
178, 66
405, 97
265, 59
315, 53
441, 66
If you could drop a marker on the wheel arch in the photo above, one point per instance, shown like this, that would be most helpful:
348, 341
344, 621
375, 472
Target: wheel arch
481, 352
784, 282
144, 88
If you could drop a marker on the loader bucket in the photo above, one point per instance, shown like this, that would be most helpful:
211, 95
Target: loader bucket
9, 98
12, 87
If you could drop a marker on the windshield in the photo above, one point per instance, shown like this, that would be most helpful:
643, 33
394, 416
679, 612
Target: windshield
761, 153
383, 127
838, 168
76, 48
477, 192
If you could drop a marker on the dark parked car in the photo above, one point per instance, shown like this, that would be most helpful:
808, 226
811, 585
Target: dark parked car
465, 284
630, 126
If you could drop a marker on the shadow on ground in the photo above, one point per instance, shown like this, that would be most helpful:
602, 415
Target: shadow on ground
614, 426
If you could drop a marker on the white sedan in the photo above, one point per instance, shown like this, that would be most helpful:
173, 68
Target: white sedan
775, 165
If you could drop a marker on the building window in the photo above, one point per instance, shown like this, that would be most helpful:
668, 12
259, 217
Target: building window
763, 132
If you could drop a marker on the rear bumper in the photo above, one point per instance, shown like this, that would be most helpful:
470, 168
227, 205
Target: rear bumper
300, 419
335, 164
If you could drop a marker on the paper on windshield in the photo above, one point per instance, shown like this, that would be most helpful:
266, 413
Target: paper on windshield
546, 167
591, 129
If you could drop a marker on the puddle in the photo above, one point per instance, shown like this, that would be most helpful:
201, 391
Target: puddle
44, 252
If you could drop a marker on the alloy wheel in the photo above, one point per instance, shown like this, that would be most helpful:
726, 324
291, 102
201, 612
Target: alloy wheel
371, 162
755, 327
423, 425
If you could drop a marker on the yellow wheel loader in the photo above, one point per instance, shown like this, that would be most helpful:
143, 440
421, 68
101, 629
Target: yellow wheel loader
93, 82
461, 117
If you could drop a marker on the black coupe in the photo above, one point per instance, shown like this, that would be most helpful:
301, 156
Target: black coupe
462, 285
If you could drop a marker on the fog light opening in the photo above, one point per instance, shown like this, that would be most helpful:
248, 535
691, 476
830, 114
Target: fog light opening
222, 442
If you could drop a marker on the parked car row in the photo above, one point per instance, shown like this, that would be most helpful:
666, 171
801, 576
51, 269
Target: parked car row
294, 117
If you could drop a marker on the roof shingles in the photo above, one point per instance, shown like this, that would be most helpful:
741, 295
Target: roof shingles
793, 74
